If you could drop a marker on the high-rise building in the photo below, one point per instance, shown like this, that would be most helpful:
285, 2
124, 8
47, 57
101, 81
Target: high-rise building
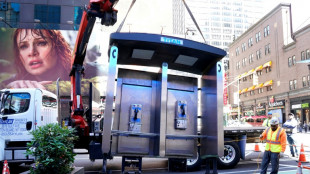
42, 14
221, 21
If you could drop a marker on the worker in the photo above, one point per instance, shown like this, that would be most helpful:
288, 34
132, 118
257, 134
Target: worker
291, 126
275, 145
266, 121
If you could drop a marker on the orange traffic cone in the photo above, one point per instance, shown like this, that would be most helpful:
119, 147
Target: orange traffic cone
299, 168
6, 169
256, 149
302, 157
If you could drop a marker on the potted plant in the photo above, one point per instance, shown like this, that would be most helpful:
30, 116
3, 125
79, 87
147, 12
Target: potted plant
52, 146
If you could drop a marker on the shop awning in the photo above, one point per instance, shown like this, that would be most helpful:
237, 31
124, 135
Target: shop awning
244, 74
259, 68
244, 90
268, 83
268, 64
259, 86
251, 88
239, 91
251, 71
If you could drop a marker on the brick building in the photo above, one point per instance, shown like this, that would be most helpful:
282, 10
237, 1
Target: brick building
264, 69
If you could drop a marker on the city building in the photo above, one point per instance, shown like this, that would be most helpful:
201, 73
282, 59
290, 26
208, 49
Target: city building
41, 14
220, 21
265, 73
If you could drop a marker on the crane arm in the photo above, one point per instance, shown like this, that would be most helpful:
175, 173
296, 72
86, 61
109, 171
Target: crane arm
104, 10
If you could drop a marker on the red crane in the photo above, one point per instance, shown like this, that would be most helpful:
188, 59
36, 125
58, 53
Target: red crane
104, 10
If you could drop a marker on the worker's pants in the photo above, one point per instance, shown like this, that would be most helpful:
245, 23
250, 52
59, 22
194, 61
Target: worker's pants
292, 141
274, 159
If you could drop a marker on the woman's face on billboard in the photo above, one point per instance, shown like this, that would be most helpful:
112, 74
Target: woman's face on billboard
36, 52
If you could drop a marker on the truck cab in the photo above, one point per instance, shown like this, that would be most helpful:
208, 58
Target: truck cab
21, 111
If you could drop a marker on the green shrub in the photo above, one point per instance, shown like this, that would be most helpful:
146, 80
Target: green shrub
52, 146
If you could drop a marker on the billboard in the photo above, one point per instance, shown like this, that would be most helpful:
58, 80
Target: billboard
35, 58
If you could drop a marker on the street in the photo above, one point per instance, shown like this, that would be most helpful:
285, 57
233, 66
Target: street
251, 164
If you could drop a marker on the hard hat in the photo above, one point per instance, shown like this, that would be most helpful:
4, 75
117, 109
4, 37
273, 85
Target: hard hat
269, 113
274, 121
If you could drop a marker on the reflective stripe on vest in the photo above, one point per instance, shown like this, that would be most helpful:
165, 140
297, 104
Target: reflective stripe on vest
273, 142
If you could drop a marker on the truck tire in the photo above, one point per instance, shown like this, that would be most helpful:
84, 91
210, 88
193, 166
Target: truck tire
194, 164
231, 156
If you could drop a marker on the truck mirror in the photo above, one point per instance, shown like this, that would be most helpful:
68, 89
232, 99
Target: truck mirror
28, 125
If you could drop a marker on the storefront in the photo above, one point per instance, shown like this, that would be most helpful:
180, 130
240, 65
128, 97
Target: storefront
306, 116
248, 110
301, 112
261, 109
234, 113
277, 108
297, 111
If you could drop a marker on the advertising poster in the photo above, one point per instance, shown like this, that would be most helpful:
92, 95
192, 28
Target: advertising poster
34, 58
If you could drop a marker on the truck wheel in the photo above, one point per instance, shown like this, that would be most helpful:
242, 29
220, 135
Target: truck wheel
194, 164
231, 156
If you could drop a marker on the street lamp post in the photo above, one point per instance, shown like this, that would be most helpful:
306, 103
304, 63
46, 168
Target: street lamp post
238, 97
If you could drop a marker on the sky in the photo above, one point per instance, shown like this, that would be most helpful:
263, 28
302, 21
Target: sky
300, 11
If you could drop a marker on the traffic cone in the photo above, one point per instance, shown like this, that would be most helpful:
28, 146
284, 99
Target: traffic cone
299, 168
256, 149
5, 169
302, 156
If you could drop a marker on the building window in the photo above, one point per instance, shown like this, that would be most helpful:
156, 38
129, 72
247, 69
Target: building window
78, 12
308, 80
49, 14
303, 55
259, 73
295, 84
257, 37
238, 65
237, 51
294, 60
252, 92
250, 42
9, 11
268, 69
243, 47
266, 31
244, 62
244, 79
289, 62
304, 81
258, 54
260, 90
308, 54
251, 76
251, 58
269, 88
267, 49
291, 84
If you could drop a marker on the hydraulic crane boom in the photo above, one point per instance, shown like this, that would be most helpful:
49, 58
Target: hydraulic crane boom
104, 10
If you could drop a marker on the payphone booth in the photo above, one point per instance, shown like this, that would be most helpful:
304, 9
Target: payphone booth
170, 85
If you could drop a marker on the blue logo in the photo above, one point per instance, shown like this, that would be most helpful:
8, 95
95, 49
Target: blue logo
171, 40
8, 121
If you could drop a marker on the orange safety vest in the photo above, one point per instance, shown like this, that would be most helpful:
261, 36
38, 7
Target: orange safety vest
273, 142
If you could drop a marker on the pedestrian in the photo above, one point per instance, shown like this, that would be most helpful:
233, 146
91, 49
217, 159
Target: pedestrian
275, 145
305, 126
291, 126
299, 125
266, 121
